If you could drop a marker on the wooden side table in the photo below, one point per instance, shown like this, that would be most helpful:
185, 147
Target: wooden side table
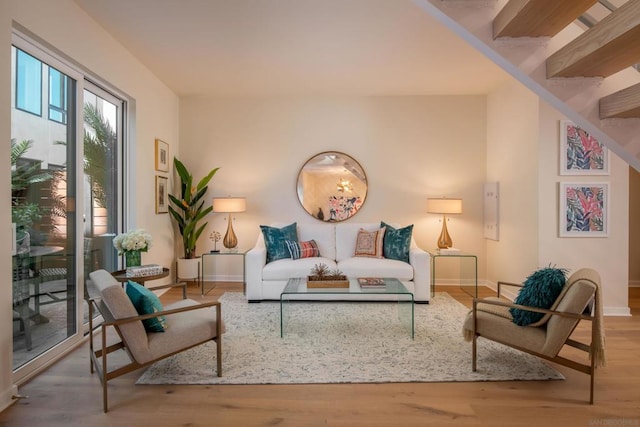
121, 276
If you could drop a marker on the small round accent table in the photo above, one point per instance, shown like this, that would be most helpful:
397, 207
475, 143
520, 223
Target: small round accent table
121, 276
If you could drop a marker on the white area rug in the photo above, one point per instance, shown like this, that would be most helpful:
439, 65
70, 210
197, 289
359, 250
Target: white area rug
344, 342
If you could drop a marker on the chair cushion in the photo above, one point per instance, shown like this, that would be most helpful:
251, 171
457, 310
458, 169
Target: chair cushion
299, 250
146, 302
373, 267
274, 239
541, 289
186, 329
369, 243
397, 242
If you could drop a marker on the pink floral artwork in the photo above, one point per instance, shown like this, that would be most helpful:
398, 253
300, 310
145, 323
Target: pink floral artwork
584, 210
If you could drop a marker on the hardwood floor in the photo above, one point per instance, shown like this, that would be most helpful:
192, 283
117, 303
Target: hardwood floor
68, 395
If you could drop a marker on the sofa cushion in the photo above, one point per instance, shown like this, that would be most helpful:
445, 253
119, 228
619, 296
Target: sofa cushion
323, 234
373, 267
397, 242
299, 250
540, 289
146, 302
284, 269
369, 243
274, 239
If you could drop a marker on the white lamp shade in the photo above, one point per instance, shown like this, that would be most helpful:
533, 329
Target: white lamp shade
229, 204
444, 206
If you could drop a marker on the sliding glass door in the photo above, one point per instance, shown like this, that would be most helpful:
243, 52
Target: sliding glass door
43, 194
66, 168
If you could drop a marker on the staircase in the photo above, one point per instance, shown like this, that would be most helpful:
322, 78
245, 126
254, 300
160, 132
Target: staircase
581, 65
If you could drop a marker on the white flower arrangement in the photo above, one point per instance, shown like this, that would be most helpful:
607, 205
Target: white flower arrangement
136, 240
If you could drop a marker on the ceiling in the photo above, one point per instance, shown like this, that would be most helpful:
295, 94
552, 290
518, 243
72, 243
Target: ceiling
295, 47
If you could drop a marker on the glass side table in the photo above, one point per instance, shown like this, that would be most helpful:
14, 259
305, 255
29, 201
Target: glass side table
468, 270
225, 253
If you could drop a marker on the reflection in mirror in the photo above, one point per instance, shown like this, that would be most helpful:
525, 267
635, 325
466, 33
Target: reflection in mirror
332, 186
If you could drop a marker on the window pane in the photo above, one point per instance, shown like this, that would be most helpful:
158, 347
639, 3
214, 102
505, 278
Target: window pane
28, 83
57, 96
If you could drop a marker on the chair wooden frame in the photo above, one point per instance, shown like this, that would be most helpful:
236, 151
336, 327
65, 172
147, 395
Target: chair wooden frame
588, 369
98, 360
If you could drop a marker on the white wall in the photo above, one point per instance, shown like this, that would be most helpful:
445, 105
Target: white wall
634, 227
410, 147
610, 255
66, 28
512, 161
522, 155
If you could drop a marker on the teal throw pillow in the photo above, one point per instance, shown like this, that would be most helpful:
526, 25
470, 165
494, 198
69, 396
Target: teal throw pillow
275, 238
540, 289
146, 302
397, 242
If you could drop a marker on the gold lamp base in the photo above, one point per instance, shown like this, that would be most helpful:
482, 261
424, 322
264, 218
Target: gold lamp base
444, 241
230, 240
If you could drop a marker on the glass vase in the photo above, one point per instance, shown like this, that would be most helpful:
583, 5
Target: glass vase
133, 258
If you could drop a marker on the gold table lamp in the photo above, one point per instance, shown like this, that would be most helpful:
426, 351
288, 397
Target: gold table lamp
229, 205
445, 207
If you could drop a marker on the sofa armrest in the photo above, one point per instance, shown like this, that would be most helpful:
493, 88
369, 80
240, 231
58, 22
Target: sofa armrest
256, 259
420, 260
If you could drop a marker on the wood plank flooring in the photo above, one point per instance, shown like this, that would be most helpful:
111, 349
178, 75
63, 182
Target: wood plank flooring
68, 395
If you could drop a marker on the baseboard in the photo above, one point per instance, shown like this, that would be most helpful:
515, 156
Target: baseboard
8, 397
616, 311
223, 278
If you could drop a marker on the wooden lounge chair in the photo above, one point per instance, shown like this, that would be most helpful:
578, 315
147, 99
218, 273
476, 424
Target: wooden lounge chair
580, 299
189, 324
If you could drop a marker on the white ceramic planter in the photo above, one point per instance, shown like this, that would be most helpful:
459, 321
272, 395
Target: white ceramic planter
188, 268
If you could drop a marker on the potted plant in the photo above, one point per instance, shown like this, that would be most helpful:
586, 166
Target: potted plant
188, 210
131, 245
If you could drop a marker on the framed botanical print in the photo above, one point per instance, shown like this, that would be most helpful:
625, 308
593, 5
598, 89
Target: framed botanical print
162, 156
580, 152
584, 209
162, 194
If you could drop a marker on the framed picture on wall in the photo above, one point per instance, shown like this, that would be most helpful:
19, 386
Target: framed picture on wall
162, 156
580, 152
584, 209
162, 194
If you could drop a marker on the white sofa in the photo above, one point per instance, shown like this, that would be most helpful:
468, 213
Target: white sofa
337, 242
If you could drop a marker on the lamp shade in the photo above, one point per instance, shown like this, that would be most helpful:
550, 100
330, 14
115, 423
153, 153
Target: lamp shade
229, 204
444, 206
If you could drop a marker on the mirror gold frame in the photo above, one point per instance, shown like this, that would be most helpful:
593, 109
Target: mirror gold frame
332, 186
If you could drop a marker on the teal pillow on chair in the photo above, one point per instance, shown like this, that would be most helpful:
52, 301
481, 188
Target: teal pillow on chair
397, 242
275, 240
146, 302
540, 289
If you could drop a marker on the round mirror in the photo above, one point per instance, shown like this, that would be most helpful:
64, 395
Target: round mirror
332, 186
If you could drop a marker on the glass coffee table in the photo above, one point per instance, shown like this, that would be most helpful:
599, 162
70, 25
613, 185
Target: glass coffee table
296, 290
